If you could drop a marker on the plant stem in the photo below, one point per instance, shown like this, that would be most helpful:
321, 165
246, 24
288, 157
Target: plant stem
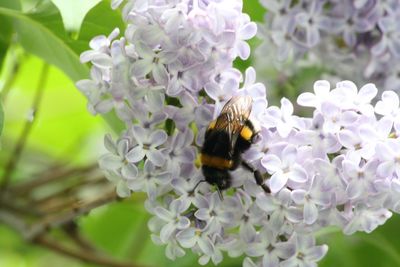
79, 254
15, 156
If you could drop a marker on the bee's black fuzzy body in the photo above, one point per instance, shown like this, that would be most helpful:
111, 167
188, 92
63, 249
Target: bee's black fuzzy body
226, 138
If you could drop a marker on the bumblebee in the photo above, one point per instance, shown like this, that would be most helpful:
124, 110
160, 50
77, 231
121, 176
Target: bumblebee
226, 138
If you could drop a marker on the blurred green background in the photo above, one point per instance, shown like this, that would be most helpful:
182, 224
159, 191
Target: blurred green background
40, 43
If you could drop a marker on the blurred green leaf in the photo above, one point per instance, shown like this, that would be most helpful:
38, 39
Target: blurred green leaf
380, 248
64, 129
6, 28
74, 11
43, 34
255, 10
5, 38
40, 34
12, 4
114, 227
1, 118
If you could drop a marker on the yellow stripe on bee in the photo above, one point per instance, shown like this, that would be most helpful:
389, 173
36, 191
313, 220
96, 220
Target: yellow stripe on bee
246, 133
215, 162
212, 125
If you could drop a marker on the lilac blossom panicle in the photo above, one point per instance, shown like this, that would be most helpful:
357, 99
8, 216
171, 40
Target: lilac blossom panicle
171, 73
358, 40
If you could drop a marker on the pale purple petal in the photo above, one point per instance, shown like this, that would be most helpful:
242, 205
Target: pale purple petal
104, 106
206, 246
272, 163
298, 196
284, 129
310, 213
164, 214
160, 74
110, 162
122, 189
270, 261
289, 155
183, 223
186, 238
330, 109
348, 139
386, 169
278, 181
129, 171
298, 174
350, 169
141, 67
157, 138
313, 37
123, 146
316, 253
248, 31
354, 190
243, 49
156, 157
136, 154
307, 100
367, 93
202, 214
139, 134
166, 232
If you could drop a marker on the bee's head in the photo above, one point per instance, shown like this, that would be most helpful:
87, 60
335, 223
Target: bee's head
224, 182
217, 177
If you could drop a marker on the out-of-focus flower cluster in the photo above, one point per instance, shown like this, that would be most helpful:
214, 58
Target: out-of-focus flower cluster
169, 76
357, 40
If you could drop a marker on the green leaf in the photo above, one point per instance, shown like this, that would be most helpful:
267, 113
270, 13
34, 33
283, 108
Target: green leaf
6, 28
12, 4
1, 118
255, 10
115, 226
74, 11
5, 38
43, 34
381, 248
63, 129
40, 34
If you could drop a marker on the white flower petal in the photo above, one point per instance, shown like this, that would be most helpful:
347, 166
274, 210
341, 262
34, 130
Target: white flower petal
129, 171
298, 174
310, 213
136, 154
186, 238
157, 138
156, 157
166, 232
110, 162
278, 181
122, 189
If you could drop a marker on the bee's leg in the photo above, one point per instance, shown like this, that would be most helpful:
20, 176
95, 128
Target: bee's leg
194, 188
221, 197
257, 176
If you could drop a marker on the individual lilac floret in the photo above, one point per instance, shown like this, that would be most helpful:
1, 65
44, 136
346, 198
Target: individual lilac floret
358, 40
284, 169
306, 252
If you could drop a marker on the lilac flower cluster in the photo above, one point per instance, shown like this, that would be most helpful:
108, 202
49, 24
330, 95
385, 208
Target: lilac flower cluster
170, 75
358, 40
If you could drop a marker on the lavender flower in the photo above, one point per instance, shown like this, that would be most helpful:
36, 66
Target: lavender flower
171, 74
358, 40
